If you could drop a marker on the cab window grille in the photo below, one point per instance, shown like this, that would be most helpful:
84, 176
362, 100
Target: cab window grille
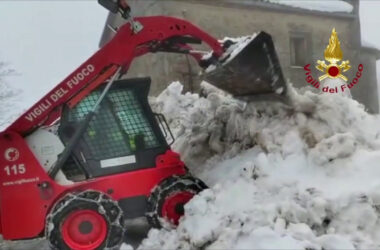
118, 126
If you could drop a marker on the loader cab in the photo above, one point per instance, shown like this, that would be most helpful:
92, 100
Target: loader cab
125, 135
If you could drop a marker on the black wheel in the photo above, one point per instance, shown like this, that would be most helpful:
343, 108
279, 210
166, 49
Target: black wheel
88, 220
169, 197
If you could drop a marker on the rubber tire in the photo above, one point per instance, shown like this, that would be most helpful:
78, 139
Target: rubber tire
163, 190
86, 200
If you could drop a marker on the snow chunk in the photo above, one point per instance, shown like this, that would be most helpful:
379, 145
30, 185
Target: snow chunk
334, 147
335, 242
125, 246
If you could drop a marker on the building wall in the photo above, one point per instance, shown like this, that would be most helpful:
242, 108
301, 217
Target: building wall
222, 20
366, 90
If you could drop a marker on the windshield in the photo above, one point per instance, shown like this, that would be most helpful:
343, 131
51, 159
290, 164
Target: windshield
119, 128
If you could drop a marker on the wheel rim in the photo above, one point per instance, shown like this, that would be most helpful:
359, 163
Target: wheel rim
84, 230
172, 208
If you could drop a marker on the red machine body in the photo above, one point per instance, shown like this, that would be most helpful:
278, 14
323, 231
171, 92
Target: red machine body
27, 192
25, 203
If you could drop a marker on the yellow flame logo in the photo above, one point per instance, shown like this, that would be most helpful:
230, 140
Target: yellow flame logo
333, 54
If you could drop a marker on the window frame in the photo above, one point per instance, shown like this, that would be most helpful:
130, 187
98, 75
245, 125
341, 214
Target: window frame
306, 36
144, 157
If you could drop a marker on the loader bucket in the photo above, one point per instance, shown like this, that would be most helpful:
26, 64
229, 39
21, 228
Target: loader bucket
254, 71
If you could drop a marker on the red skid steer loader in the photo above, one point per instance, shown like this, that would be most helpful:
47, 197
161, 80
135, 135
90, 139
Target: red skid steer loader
91, 153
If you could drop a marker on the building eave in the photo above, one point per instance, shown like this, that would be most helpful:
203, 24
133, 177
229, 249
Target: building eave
242, 4
273, 7
373, 51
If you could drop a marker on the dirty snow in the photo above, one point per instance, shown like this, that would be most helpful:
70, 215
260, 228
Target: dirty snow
296, 176
326, 6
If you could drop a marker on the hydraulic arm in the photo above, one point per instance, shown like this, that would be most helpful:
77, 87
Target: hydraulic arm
157, 34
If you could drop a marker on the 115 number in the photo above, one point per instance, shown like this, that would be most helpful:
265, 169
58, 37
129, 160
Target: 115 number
15, 169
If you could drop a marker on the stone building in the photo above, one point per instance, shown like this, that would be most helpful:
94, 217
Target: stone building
300, 33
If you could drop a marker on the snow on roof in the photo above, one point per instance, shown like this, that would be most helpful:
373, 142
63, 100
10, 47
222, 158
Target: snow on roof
325, 6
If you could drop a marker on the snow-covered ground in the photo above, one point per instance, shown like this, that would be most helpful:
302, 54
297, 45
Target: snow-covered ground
304, 175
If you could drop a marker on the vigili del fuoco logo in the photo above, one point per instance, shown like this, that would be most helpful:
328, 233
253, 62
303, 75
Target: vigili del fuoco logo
333, 69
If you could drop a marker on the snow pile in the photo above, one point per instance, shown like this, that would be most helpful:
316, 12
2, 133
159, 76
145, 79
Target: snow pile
303, 176
326, 6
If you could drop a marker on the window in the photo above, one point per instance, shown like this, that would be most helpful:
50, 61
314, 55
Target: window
120, 127
298, 50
